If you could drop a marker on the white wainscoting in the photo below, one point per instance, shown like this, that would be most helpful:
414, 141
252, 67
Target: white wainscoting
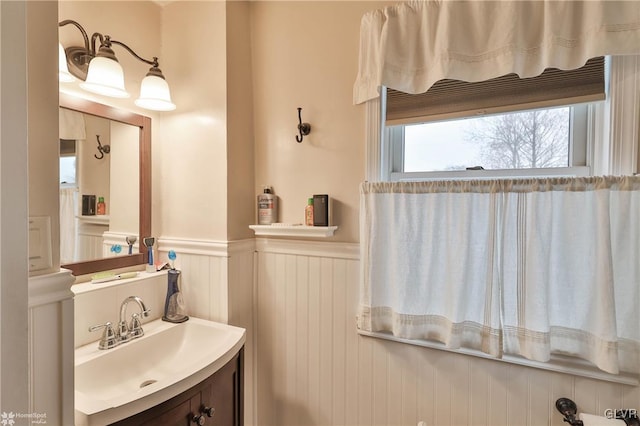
51, 347
314, 369
217, 281
89, 243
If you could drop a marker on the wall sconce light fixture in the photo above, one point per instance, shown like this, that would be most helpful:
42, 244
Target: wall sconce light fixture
102, 74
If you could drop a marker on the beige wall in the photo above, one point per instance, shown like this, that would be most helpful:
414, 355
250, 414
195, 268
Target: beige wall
192, 170
240, 136
93, 174
305, 54
43, 121
124, 202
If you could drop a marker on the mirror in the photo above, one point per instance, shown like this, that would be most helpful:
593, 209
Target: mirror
143, 124
98, 162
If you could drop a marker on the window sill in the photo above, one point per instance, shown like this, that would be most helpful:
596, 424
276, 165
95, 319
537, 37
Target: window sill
284, 230
493, 174
559, 364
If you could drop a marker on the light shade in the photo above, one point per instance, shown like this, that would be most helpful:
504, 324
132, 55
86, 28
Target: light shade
154, 94
63, 70
105, 77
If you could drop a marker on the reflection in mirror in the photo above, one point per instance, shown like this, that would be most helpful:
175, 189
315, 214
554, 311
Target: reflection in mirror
98, 163
105, 153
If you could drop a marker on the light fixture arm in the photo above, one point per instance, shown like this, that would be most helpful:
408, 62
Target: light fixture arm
79, 27
100, 72
79, 58
153, 63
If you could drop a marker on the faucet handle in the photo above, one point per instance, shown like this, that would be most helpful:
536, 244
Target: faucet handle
135, 327
108, 339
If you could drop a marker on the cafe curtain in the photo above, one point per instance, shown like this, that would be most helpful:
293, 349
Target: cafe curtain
528, 267
68, 224
410, 46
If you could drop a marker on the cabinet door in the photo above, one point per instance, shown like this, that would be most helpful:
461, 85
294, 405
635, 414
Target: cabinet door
223, 395
218, 400
180, 415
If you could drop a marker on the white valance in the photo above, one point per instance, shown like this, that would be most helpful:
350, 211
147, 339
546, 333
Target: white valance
71, 125
520, 267
412, 45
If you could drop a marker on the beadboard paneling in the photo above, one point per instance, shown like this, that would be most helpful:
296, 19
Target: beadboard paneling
50, 328
218, 284
314, 369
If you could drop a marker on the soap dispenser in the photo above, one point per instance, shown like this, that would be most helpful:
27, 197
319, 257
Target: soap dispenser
173, 305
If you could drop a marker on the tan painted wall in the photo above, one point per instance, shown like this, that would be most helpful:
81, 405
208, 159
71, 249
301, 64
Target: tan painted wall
240, 137
43, 121
192, 169
124, 202
305, 54
93, 174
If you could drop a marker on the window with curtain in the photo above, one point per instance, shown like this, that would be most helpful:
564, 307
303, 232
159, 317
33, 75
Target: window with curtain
506, 267
508, 125
528, 268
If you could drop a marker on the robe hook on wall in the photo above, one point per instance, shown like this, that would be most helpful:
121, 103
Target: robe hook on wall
102, 149
303, 128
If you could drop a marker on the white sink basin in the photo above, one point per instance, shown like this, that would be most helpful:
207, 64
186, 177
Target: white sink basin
113, 384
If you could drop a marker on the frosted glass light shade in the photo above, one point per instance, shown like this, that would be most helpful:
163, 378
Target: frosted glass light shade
154, 94
105, 77
63, 70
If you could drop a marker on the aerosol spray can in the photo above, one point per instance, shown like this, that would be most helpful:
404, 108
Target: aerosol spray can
267, 207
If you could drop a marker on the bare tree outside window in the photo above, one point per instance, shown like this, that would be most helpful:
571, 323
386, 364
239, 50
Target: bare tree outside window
516, 140
531, 139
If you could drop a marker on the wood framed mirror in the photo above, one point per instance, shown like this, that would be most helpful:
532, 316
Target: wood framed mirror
144, 125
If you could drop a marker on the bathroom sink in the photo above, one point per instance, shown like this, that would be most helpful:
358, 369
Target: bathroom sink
113, 384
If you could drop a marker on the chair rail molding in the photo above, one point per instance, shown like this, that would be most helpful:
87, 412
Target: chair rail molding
50, 288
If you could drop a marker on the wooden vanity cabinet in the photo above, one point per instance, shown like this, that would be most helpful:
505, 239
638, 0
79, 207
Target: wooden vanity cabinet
217, 400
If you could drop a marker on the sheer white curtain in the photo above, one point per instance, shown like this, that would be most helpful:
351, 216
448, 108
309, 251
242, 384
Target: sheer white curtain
522, 267
410, 46
68, 224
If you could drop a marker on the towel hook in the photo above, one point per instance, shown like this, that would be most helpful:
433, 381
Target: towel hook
303, 128
102, 149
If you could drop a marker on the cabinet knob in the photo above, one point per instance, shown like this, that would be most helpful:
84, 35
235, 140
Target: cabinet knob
209, 411
199, 419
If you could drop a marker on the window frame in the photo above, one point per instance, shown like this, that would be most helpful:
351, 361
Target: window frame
614, 120
580, 116
73, 154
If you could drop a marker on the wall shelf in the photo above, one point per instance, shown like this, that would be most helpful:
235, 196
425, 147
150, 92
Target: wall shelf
101, 219
282, 230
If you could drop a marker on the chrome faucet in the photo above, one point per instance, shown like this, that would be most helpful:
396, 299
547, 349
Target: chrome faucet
132, 330
125, 332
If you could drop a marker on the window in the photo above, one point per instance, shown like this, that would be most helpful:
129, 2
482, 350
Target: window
550, 141
68, 162
509, 125
607, 136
